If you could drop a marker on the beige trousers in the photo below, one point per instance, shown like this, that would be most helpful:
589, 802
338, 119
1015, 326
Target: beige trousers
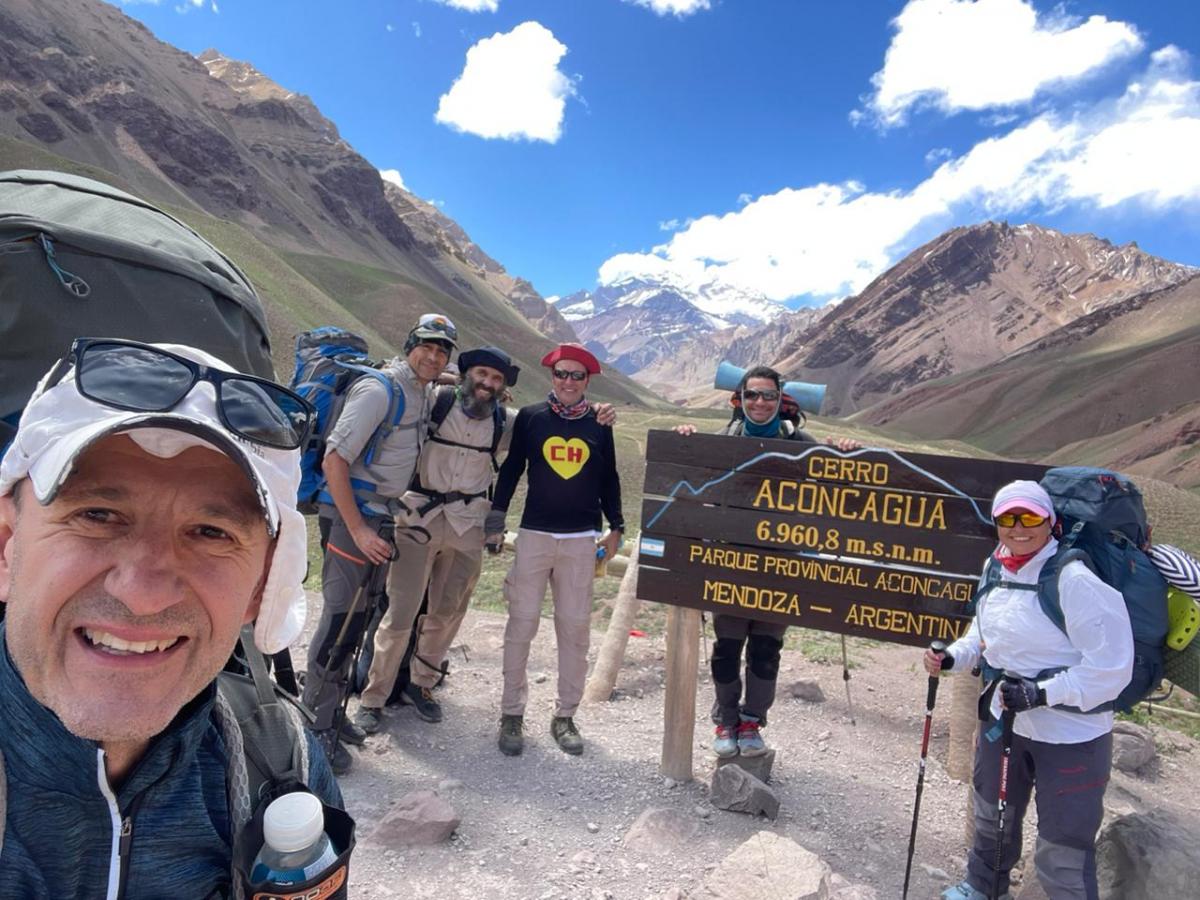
449, 565
568, 564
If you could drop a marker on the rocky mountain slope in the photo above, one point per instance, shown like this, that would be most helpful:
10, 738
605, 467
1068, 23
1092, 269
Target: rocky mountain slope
638, 322
965, 300
1115, 387
218, 142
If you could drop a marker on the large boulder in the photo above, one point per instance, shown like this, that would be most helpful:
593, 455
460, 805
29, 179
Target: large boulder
1149, 855
769, 867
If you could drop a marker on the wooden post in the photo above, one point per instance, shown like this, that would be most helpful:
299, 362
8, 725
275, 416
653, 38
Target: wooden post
611, 654
960, 754
964, 723
679, 701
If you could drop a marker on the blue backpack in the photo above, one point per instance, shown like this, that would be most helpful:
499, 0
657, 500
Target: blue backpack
1104, 525
328, 361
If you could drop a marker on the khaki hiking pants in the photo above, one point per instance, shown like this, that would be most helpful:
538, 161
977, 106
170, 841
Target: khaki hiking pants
449, 565
568, 565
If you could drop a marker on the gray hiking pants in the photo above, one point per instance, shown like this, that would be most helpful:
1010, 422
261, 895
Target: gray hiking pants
1070, 779
342, 574
763, 642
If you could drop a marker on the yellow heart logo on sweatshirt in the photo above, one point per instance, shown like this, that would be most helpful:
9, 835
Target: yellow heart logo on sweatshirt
565, 457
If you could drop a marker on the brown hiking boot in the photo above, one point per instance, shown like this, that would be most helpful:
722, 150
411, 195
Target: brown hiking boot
566, 735
511, 742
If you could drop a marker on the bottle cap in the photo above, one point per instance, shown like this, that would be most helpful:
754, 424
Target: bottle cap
293, 822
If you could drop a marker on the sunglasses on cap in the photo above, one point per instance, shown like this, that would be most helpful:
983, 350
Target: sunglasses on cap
565, 375
770, 395
1028, 519
434, 322
137, 377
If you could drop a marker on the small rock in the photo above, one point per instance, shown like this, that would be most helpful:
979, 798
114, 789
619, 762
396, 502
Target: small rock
418, 818
1133, 746
540, 678
758, 766
824, 736
809, 691
659, 830
703, 811
768, 865
449, 784
737, 790
584, 858
935, 872
593, 828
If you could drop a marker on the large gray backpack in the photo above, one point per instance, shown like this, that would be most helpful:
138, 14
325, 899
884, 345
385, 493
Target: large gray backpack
79, 258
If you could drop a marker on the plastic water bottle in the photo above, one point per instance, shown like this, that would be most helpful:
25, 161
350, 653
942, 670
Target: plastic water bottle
601, 561
296, 847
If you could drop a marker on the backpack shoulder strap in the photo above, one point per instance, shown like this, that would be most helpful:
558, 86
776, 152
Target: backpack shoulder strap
499, 420
443, 399
1047, 586
263, 732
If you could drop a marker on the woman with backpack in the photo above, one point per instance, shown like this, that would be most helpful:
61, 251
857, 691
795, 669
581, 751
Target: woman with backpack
1047, 712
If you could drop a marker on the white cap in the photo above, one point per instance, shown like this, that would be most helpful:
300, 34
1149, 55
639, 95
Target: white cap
293, 822
60, 424
1023, 495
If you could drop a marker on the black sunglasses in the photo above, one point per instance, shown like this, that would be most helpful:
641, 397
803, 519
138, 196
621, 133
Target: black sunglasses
564, 375
138, 377
770, 395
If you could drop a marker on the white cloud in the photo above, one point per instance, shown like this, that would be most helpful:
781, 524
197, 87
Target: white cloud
938, 155
510, 87
393, 175
829, 240
678, 8
416, 27
962, 55
472, 5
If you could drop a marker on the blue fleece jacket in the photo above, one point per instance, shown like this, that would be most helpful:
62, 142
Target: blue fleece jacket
61, 836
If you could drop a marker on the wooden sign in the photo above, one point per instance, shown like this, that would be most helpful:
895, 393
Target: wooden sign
873, 542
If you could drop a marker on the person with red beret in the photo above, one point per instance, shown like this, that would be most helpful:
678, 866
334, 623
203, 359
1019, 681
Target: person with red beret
572, 480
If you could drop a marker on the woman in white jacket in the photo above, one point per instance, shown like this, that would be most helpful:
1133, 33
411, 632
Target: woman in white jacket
1060, 686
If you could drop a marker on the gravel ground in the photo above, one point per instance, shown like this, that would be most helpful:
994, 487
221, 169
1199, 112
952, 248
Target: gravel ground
547, 825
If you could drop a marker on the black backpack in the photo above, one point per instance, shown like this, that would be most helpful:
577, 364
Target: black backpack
443, 399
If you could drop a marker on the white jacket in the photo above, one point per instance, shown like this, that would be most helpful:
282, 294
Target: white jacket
1097, 649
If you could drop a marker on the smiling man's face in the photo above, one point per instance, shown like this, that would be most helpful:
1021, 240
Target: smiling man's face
126, 593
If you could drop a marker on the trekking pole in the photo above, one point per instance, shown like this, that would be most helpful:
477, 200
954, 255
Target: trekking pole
339, 647
1006, 739
846, 681
930, 699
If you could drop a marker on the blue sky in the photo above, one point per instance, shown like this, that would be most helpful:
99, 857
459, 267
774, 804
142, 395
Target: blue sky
783, 147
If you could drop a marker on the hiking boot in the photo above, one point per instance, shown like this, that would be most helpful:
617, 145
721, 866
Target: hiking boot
964, 891
725, 744
566, 735
421, 699
369, 719
340, 760
352, 733
512, 742
749, 741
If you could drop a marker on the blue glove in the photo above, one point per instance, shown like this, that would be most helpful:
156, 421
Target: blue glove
1020, 694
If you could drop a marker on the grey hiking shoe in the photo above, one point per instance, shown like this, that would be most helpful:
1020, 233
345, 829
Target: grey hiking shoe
369, 719
725, 744
421, 699
566, 735
511, 742
749, 741
353, 733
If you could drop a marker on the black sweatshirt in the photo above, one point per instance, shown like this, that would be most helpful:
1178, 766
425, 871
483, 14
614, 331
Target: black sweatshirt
572, 472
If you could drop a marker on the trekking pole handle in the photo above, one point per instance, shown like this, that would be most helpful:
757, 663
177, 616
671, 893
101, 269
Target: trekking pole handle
931, 696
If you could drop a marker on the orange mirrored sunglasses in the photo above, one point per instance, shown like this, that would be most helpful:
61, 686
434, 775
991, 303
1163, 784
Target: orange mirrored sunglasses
1028, 519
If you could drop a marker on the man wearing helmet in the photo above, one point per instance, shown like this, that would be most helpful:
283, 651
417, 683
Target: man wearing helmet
370, 456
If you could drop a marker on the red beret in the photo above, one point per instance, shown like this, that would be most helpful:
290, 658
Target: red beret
575, 352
